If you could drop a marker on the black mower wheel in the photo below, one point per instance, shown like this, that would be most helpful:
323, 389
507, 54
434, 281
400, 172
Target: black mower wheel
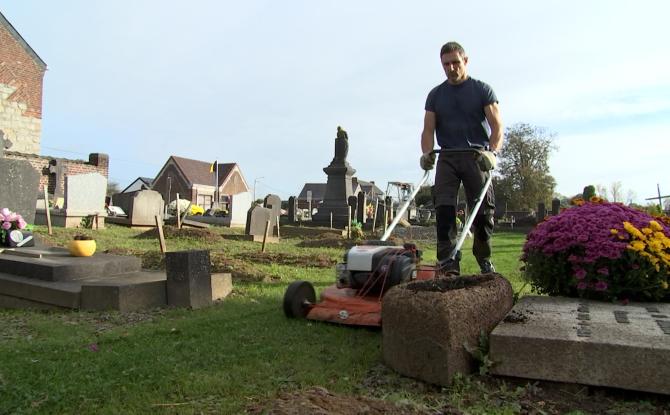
298, 297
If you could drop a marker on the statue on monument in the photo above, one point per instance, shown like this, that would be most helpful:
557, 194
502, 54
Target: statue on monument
341, 145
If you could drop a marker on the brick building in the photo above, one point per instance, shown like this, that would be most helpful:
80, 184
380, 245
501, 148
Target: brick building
194, 181
21, 79
21, 74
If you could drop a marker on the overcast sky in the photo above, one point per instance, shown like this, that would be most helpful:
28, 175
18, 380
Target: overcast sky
266, 83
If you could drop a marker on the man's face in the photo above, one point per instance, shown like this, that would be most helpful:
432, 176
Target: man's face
455, 67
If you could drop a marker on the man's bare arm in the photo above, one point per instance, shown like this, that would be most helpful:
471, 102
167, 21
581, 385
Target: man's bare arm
428, 134
492, 112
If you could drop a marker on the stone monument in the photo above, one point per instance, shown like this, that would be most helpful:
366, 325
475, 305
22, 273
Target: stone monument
338, 187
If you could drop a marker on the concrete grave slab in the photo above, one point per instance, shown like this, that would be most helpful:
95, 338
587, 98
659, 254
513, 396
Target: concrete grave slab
589, 342
56, 264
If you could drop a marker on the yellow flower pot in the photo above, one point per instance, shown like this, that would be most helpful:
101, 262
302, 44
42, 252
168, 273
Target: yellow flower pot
82, 248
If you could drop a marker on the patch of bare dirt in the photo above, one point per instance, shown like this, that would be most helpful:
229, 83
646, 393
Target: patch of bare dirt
305, 260
202, 234
320, 401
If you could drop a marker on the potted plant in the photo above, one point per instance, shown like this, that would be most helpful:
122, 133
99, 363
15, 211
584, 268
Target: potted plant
82, 245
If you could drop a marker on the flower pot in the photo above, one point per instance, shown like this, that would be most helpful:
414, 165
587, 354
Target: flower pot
82, 248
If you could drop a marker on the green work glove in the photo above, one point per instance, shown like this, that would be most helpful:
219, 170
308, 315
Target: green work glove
487, 160
427, 161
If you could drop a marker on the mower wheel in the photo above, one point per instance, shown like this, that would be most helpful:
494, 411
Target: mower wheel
297, 299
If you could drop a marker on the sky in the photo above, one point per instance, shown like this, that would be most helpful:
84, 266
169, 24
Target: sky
266, 83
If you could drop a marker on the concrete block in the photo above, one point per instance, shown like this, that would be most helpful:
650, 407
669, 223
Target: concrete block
189, 282
222, 285
589, 342
425, 324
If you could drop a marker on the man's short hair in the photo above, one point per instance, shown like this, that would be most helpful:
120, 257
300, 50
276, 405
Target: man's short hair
452, 47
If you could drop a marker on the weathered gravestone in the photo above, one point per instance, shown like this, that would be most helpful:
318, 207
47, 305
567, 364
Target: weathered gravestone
239, 205
555, 207
360, 212
19, 184
57, 170
85, 193
273, 202
541, 212
257, 219
352, 201
141, 206
189, 281
584, 341
452, 312
292, 210
84, 197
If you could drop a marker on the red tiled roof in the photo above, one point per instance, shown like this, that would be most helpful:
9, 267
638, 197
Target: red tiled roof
197, 172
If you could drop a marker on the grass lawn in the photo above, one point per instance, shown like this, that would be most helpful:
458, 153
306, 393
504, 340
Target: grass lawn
242, 353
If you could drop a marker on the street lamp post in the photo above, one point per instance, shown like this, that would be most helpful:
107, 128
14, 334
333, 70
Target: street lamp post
256, 180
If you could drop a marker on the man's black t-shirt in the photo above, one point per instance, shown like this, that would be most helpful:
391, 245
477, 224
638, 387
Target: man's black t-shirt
459, 113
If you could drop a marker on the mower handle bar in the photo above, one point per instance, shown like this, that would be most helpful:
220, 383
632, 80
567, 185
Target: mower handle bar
404, 207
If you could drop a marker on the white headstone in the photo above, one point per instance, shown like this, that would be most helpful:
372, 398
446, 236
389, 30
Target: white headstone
239, 205
85, 193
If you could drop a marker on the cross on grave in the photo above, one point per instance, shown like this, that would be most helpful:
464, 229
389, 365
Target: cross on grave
659, 197
56, 168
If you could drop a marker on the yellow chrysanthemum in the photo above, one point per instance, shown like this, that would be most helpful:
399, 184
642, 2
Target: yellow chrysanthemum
655, 225
637, 246
595, 199
633, 231
664, 285
614, 231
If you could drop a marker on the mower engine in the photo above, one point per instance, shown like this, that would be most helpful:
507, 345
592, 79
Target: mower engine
373, 269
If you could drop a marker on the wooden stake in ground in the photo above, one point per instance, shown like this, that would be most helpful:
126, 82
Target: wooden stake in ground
178, 213
374, 215
349, 223
331, 220
278, 227
161, 238
265, 235
46, 210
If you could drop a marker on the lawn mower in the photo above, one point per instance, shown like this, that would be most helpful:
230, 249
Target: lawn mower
368, 271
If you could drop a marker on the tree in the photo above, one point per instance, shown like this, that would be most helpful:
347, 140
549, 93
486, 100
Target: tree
523, 170
112, 188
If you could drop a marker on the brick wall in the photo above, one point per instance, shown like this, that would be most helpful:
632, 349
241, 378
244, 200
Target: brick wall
97, 163
20, 95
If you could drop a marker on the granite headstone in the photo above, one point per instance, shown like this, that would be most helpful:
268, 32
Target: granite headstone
19, 185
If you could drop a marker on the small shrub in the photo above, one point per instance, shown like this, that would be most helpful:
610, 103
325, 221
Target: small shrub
600, 250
